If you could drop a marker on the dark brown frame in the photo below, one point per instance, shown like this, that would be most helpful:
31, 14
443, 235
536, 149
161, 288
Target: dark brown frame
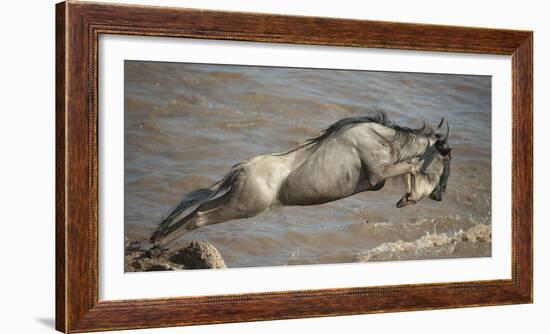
78, 25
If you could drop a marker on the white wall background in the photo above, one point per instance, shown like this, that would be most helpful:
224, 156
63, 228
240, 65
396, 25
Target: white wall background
27, 72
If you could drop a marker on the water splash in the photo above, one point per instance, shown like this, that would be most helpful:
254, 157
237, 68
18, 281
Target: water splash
430, 245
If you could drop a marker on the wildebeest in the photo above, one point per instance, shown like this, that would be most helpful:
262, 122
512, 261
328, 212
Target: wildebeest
351, 156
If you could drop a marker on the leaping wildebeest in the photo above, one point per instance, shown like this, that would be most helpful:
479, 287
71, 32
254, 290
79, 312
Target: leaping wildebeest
353, 155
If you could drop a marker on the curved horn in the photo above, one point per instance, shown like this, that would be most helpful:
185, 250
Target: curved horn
448, 130
440, 123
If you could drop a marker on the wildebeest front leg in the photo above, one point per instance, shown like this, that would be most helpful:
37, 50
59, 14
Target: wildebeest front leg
408, 182
407, 199
423, 184
398, 169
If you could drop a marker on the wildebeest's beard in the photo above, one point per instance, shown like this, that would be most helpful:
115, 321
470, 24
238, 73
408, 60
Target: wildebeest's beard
443, 149
437, 193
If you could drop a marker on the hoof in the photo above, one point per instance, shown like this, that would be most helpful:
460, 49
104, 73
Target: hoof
404, 201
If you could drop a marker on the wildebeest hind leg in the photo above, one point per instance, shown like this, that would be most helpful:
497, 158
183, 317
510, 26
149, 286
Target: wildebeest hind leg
215, 211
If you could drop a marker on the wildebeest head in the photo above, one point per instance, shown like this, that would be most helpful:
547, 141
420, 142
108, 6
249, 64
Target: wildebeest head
434, 169
444, 150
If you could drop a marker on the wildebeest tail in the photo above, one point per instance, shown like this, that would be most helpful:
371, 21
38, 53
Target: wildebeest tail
199, 196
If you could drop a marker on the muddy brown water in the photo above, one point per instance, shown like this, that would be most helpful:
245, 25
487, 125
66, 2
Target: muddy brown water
187, 124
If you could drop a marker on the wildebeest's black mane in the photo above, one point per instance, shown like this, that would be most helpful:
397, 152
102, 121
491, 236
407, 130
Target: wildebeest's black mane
380, 117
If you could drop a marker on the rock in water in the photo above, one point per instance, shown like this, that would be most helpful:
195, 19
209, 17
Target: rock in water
138, 260
199, 255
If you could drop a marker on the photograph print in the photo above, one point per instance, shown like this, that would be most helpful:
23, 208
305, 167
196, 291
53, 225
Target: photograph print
232, 166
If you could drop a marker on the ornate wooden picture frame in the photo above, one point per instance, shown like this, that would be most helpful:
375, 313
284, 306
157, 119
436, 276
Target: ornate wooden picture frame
78, 27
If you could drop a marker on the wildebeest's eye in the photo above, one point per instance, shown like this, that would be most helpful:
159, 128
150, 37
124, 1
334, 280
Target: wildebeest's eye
443, 148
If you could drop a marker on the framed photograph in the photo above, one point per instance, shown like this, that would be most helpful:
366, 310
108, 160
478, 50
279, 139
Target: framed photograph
224, 166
